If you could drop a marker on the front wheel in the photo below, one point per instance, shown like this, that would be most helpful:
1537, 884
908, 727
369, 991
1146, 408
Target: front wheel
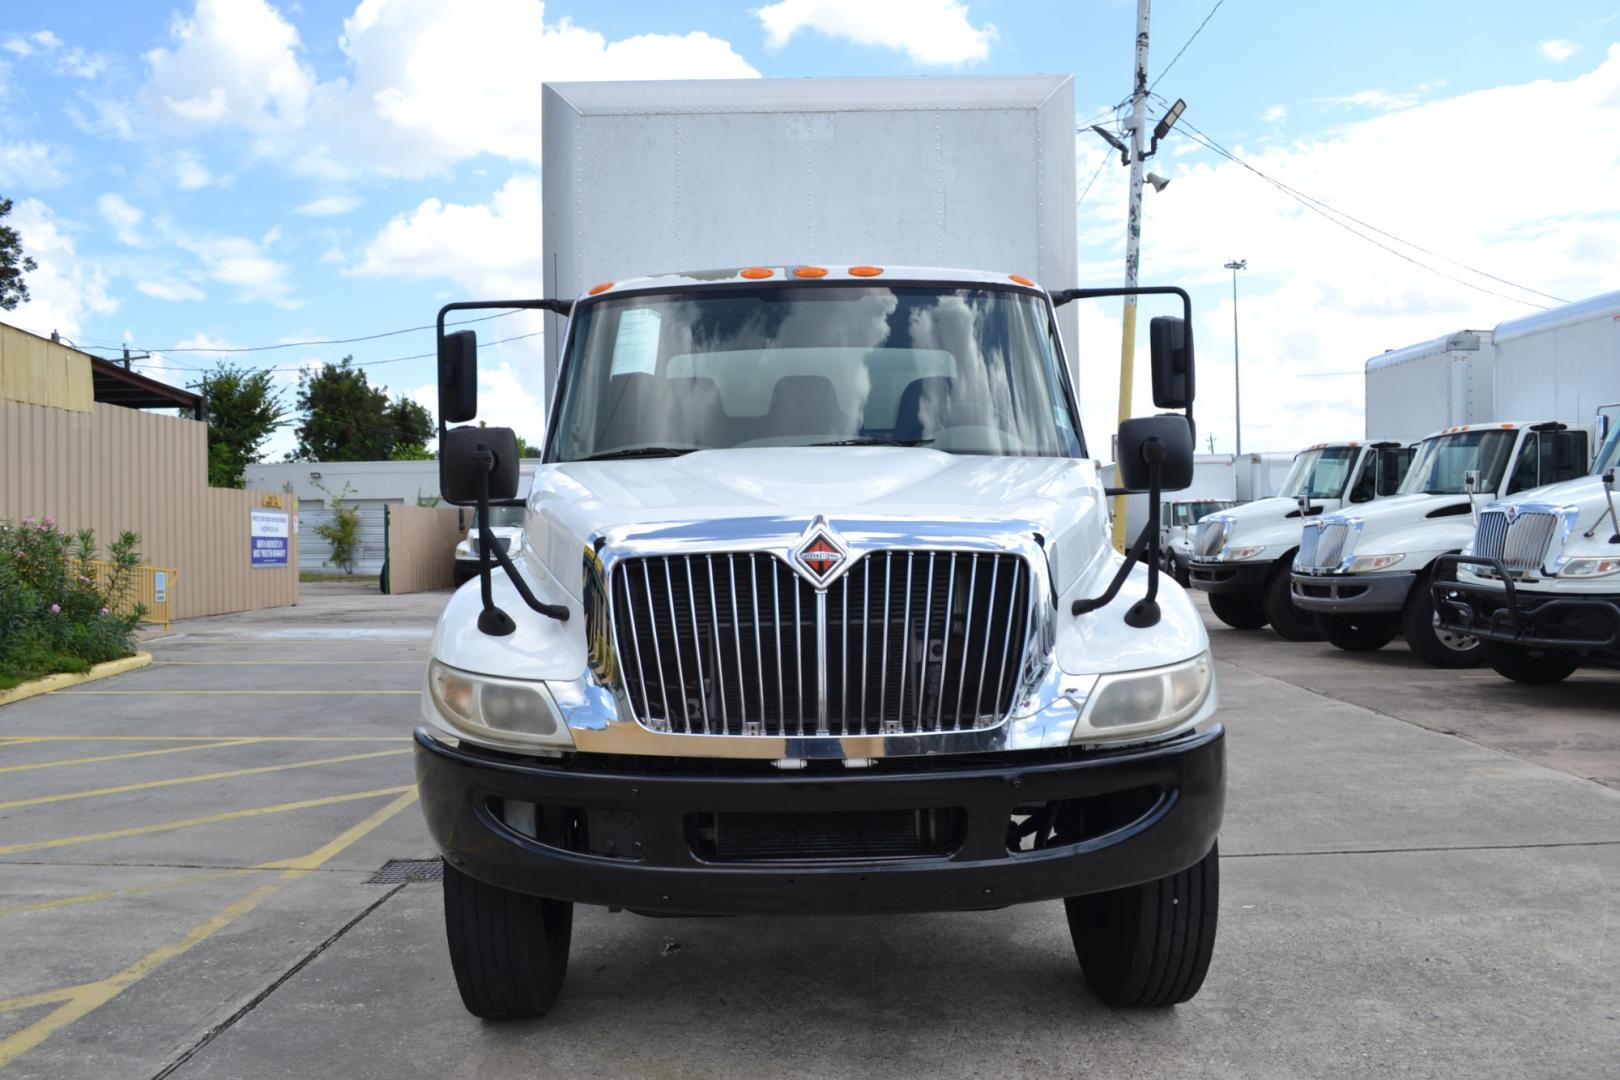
1292, 622
1533, 667
1361, 635
509, 950
1238, 610
1149, 944
1442, 648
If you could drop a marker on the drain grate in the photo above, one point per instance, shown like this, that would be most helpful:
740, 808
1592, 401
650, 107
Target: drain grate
402, 871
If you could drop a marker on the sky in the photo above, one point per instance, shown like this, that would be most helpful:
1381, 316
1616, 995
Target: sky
224, 174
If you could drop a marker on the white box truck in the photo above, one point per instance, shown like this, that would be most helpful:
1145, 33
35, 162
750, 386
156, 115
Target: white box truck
1436, 384
1369, 573
816, 609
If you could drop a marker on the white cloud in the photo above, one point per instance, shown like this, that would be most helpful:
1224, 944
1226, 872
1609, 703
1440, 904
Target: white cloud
506, 397
487, 249
65, 289
1276, 114
428, 84
232, 63
173, 291
75, 62
33, 165
239, 262
1558, 49
1317, 300
928, 31
328, 206
124, 219
190, 174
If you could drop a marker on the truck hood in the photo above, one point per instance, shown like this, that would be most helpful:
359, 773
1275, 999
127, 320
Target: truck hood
502, 532
1419, 527
768, 497
1270, 523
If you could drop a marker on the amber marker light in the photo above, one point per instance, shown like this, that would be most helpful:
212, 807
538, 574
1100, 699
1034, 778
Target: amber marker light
810, 271
865, 271
1021, 279
754, 273
602, 288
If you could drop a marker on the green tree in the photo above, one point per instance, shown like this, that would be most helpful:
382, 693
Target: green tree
342, 417
13, 263
527, 449
244, 408
413, 427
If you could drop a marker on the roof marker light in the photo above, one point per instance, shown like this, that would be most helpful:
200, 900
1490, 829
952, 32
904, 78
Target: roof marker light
1021, 279
865, 271
754, 273
810, 271
602, 288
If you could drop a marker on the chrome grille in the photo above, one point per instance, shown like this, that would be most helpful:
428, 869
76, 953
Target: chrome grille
501, 542
1321, 545
741, 644
1211, 537
1521, 544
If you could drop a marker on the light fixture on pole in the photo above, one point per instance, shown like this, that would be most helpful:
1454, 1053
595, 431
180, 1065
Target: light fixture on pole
1159, 183
1237, 381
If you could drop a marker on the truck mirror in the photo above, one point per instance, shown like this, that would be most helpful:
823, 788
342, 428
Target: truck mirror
1146, 440
1170, 342
1471, 481
458, 376
462, 464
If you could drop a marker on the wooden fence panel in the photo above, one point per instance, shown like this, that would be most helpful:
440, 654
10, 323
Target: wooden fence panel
422, 547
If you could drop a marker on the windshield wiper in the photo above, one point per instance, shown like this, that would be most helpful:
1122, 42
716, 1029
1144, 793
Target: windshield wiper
643, 451
873, 440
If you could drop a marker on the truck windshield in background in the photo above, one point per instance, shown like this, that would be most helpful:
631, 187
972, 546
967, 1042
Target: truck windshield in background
1319, 474
1188, 513
962, 370
1444, 462
506, 514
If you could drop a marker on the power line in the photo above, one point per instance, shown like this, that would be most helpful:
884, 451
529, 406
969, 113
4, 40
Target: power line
366, 363
1092, 181
306, 344
1189, 41
1324, 210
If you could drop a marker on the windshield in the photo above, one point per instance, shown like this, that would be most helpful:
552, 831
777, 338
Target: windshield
1444, 461
966, 371
1320, 473
1188, 513
506, 515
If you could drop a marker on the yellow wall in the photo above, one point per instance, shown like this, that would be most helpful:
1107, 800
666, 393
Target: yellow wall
38, 371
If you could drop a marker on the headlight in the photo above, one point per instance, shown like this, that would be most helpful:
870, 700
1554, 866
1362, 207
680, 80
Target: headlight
1366, 564
1241, 553
1138, 703
509, 710
464, 550
1591, 567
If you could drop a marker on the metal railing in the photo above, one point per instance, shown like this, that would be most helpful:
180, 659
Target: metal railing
152, 587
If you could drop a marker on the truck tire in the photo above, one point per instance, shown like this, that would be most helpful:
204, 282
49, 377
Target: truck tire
1149, 945
1533, 667
1292, 622
1442, 648
1362, 635
509, 950
1238, 611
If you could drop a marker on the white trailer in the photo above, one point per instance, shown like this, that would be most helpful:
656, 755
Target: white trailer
968, 171
1563, 363
1432, 385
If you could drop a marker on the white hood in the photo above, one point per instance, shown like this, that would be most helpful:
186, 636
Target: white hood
771, 495
1272, 523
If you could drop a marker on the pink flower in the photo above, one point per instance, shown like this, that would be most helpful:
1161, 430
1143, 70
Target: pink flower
56, 609
29, 520
84, 579
49, 521
104, 611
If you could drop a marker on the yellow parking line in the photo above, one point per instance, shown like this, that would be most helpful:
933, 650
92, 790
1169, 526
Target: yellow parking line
126, 755
229, 774
80, 1001
113, 894
217, 693
206, 819
300, 867
207, 738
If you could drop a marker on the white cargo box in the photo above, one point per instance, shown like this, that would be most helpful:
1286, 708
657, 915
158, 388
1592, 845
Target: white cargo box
1422, 388
1562, 364
649, 177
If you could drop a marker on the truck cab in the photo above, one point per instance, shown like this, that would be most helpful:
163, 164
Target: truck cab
1539, 581
816, 612
1178, 520
1242, 557
1367, 573
505, 526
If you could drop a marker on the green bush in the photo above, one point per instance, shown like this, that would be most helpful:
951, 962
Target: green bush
54, 614
343, 531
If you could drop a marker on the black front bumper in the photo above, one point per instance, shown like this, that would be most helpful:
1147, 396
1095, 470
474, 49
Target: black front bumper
1217, 577
1353, 594
1162, 805
1507, 613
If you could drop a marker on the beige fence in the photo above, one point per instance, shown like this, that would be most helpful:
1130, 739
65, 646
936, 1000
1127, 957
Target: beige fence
421, 548
151, 587
113, 468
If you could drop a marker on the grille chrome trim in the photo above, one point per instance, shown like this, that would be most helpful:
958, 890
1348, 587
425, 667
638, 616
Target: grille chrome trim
1325, 545
1527, 538
1211, 536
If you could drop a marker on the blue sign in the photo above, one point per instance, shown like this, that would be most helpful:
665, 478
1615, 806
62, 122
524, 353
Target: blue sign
268, 537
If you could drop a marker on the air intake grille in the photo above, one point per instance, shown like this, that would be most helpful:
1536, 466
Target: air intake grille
1211, 537
741, 644
1321, 545
1521, 544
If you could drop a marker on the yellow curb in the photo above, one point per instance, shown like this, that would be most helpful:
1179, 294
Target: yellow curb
51, 683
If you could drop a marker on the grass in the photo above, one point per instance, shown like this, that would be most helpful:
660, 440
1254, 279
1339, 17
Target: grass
37, 666
326, 575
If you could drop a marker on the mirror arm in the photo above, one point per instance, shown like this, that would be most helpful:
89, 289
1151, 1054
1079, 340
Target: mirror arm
1064, 296
492, 620
1145, 612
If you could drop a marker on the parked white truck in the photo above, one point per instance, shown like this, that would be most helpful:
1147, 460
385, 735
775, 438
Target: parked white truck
1369, 573
816, 609
1178, 521
1242, 557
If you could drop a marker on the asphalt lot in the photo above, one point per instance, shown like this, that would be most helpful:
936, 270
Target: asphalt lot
1420, 879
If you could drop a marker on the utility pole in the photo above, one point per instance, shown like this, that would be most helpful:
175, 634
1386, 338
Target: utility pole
1133, 240
1237, 381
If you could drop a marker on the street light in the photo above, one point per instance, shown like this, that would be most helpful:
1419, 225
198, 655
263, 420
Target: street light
1237, 382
